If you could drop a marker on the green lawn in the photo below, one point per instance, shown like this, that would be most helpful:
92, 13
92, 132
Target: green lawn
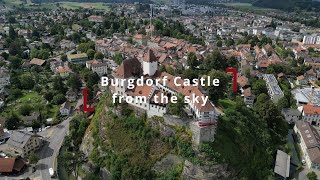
226, 103
76, 5
29, 4
13, 2
246, 6
35, 100
30, 97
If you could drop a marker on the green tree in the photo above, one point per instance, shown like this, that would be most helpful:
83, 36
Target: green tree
243, 141
16, 93
118, 58
12, 121
27, 81
192, 60
93, 79
73, 162
229, 42
232, 62
92, 177
270, 113
16, 62
98, 55
312, 176
59, 99
25, 109
218, 92
12, 20
15, 48
215, 60
12, 33
84, 47
76, 37
189, 74
56, 29
311, 49
259, 87
300, 60
64, 58
33, 158
90, 53
58, 85
177, 108
170, 70
5, 55
74, 82
41, 54
219, 43
283, 103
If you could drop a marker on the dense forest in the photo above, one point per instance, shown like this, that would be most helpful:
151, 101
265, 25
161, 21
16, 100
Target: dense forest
106, 1
287, 5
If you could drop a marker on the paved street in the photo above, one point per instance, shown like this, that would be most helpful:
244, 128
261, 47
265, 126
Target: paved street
54, 137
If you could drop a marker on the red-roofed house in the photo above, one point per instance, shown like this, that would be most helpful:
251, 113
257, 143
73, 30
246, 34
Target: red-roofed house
203, 114
311, 114
11, 165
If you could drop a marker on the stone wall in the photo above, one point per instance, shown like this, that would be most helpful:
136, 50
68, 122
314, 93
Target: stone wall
204, 172
201, 134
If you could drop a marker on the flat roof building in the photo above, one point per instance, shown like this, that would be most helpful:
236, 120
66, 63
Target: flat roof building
274, 89
282, 165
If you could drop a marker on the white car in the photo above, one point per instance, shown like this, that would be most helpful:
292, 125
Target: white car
51, 172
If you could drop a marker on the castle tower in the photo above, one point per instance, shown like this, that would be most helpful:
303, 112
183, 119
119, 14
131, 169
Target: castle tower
150, 63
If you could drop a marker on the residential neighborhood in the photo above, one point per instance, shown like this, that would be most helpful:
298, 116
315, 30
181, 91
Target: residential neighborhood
63, 116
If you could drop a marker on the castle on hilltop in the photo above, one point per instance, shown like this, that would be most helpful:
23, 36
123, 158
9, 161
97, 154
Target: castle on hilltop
133, 68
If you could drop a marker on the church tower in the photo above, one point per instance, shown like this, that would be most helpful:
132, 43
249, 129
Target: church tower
150, 63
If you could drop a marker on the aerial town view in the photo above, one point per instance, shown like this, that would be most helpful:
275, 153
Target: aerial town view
159, 89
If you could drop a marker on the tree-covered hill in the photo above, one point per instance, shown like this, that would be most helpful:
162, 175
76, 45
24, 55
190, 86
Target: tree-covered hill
285, 4
106, 1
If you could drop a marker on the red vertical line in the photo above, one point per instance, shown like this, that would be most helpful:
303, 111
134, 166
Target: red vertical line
85, 101
234, 71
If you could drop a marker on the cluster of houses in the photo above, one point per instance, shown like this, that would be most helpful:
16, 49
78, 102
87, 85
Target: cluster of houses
20, 144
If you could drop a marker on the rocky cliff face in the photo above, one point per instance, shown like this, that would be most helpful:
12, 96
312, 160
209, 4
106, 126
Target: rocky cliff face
205, 172
170, 158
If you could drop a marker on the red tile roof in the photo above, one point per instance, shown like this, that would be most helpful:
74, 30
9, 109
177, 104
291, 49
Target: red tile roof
310, 109
187, 91
6, 165
129, 68
150, 57
243, 81
144, 91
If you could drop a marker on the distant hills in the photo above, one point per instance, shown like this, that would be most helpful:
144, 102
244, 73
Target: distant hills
285, 4
92, 1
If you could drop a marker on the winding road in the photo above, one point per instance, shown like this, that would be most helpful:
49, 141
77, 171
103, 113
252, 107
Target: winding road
53, 138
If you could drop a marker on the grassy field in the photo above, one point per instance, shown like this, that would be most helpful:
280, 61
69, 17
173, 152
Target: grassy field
226, 103
76, 5
13, 2
246, 6
68, 5
35, 100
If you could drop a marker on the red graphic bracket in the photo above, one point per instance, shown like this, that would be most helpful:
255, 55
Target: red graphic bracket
234, 72
85, 103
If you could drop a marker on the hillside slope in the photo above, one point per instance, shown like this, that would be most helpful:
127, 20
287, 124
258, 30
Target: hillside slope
285, 4
105, 1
